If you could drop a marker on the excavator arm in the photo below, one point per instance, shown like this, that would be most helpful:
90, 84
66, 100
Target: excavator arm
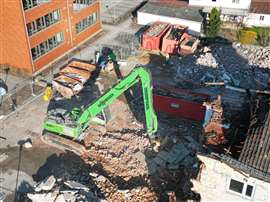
139, 74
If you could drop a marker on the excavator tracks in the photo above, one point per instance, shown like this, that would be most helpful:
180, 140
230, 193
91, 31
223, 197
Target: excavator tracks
63, 143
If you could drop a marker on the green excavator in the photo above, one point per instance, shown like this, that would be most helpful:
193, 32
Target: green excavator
70, 134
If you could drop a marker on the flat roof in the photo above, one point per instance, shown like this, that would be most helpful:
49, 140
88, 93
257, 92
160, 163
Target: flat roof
166, 8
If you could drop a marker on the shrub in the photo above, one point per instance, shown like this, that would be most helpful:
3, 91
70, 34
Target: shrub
214, 23
263, 35
247, 36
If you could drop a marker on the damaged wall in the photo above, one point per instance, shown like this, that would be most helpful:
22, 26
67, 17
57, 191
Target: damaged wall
214, 181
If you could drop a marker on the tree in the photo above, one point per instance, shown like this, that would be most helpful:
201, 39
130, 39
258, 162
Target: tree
214, 23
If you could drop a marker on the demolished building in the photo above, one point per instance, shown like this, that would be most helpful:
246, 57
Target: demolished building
246, 177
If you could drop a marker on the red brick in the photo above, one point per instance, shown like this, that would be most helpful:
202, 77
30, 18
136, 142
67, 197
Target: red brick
15, 45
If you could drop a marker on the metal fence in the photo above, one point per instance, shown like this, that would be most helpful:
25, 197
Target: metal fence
23, 93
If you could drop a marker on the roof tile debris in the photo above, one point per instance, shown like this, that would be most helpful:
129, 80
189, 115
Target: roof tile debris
256, 150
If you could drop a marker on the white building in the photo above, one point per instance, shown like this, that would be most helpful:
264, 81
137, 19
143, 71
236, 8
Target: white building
234, 4
259, 14
248, 12
179, 13
220, 180
242, 178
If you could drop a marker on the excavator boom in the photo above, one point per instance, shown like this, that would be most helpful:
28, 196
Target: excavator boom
139, 74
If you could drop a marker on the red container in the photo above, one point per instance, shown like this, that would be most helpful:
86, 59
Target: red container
188, 44
180, 103
173, 38
152, 38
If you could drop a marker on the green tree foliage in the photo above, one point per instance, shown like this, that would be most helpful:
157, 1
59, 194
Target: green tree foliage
214, 23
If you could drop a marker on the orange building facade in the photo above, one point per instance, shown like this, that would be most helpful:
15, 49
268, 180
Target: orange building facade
35, 33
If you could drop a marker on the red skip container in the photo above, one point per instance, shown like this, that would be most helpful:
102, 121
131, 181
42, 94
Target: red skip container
173, 38
152, 38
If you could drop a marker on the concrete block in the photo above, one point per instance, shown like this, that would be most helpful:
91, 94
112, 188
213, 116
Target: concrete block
46, 197
76, 185
101, 178
46, 184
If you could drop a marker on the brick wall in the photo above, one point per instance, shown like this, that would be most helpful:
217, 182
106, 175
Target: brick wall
14, 49
17, 48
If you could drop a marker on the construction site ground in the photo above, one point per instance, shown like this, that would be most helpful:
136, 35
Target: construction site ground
125, 164
122, 162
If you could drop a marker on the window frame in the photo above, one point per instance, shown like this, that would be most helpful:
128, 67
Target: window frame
86, 23
47, 46
261, 18
32, 3
243, 194
43, 22
84, 3
235, 1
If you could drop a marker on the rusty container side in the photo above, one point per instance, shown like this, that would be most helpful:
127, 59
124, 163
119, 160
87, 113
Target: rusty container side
188, 45
170, 43
152, 38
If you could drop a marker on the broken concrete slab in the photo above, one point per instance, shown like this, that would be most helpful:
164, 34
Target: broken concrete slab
45, 197
93, 174
46, 184
76, 185
101, 178
69, 196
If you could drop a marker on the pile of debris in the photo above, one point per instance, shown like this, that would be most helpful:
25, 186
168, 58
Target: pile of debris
235, 65
215, 126
256, 55
52, 189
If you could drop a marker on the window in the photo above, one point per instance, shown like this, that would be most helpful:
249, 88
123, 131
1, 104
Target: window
235, 1
27, 4
43, 22
236, 186
86, 22
261, 18
241, 188
81, 4
47, 45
